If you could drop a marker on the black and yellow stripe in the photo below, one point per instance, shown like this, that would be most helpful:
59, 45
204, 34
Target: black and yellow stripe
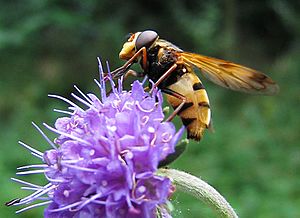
195, 113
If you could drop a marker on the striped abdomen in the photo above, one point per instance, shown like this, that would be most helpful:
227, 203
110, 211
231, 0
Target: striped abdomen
195, 113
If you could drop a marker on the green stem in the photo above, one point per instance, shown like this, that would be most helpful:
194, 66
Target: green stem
198, 188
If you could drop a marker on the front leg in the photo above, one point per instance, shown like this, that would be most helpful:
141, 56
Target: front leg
137, 74
134, 73
121, 70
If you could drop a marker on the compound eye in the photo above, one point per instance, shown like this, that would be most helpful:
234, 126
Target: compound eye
146, 39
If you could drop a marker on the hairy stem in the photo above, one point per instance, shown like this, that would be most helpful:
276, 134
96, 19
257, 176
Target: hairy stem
198, 188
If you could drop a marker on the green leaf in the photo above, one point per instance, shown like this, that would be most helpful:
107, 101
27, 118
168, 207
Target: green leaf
179, 149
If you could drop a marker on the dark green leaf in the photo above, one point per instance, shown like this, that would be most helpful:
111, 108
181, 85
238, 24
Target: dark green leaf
179, 149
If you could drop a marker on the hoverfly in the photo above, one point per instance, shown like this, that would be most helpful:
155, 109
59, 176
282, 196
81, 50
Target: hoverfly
172, 70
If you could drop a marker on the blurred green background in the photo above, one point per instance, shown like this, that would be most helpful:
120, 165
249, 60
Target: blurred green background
252, 158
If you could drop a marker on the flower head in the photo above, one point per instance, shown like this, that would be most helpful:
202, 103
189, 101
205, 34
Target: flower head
104, 161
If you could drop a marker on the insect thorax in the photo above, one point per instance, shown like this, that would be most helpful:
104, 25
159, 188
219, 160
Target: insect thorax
159, 61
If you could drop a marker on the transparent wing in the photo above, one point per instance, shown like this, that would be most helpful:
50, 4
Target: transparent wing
231, 75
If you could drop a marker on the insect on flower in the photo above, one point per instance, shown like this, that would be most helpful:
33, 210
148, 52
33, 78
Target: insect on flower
171, 70
105, 158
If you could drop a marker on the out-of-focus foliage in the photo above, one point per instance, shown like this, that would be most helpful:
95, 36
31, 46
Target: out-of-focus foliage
253, 158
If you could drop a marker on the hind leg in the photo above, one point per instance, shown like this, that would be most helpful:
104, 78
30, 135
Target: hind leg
179, 107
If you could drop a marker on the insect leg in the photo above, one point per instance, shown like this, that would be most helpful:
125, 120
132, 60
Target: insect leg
120, 71
176, 95
133, 73
136, 74
127, 74
165, 75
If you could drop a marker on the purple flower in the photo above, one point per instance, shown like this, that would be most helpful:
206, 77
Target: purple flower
104, 161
